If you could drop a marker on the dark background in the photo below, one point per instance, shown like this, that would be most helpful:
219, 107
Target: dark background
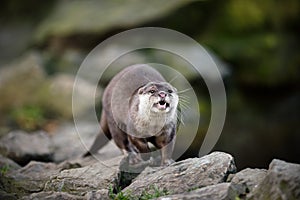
257, 41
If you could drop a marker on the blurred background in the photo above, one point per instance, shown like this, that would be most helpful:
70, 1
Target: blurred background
256, 43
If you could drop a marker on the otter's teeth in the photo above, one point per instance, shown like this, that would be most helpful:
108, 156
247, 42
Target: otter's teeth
162, 105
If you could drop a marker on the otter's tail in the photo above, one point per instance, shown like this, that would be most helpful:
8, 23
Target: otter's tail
99, 142
102, 138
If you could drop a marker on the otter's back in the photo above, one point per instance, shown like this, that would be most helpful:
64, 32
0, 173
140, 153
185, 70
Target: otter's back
123, 86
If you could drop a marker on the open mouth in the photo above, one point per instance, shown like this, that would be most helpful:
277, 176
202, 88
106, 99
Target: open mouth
162, 105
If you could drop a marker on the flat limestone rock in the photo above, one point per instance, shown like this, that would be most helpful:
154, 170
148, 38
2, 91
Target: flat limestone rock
185, 175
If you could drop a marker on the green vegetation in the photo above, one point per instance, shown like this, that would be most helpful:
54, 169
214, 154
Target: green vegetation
29, 117
4, 169
153, 192
150, 193
119, 195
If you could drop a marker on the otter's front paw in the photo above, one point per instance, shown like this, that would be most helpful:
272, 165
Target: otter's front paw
134, 159
167, 162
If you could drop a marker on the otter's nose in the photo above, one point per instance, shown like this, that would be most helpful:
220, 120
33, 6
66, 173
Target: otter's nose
162, 94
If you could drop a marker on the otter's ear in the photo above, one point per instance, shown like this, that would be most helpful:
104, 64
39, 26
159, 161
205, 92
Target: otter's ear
141, 90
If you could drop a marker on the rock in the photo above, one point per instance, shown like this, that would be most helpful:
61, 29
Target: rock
128, 172
94, 61
64, 19
18, 79
29, 179
7, 196
245, 181
49, 180
29, 65
99, 194
282, 181
14, 39
23, 147
79, 181
185, 175
187, 70
81, 137
62, 85
52, 195
194, 178
50, 98
218, 191
7, 164
67, 134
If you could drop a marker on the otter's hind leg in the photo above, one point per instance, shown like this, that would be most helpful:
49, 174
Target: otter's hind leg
121, 140
142, 146
166, 143
125, 144
140, 143
103, 136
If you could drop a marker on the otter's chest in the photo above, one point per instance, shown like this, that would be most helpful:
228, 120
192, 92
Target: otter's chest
150, 126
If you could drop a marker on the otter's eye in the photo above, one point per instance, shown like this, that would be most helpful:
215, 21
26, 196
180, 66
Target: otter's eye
170, 91
152, 91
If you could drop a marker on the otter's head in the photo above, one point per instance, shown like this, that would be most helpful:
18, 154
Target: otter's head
158, 98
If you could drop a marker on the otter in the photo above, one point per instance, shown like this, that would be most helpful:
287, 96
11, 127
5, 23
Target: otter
139, 106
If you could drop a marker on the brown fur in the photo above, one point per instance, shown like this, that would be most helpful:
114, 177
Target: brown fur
129, 128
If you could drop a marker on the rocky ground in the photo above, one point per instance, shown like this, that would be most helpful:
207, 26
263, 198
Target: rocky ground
64, 175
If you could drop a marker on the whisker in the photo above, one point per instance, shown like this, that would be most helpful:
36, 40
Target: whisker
184, 100
184, 104
180, 118
173, 79
185, 90
184, 97
181, 121
185, 107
